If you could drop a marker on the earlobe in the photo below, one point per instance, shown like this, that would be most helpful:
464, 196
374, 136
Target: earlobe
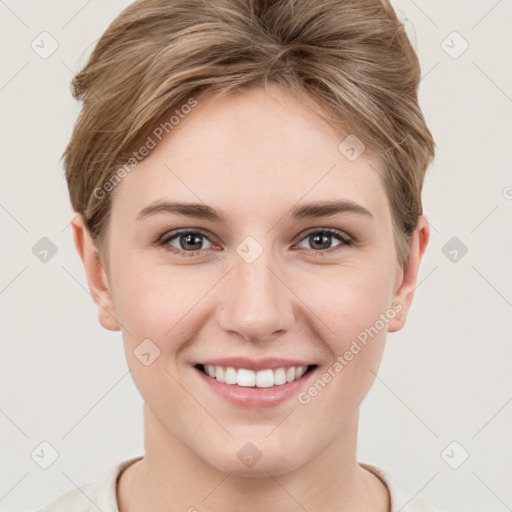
405, 292
96, 276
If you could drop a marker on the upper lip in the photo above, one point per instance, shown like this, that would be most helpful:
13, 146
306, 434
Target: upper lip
255, 364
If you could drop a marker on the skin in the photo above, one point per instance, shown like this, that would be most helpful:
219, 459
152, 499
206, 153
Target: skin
253, 155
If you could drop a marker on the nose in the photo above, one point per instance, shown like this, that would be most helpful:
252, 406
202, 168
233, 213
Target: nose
257, 304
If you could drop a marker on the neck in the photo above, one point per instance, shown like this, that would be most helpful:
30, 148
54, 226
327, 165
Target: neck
172, 477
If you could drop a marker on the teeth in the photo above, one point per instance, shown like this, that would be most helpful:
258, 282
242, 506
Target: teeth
264, 379
244, 377
230, 377
300, 371
219, 373
279, 376
249, 378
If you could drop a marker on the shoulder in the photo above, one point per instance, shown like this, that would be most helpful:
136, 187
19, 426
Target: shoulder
401, 499
91, 497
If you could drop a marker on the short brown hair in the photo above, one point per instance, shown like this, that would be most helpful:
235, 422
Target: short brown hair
351, 57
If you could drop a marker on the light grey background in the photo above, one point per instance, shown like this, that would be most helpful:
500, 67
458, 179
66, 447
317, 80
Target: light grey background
446, 377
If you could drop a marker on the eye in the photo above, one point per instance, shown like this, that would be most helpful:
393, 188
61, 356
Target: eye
191, 242
320, 240
187, 243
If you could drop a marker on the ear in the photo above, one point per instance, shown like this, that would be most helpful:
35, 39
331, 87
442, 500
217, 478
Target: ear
96, 276
408, 276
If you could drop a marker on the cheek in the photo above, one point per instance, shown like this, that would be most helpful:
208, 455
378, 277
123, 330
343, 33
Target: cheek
156, 303
152, 300
349, 300
353, 311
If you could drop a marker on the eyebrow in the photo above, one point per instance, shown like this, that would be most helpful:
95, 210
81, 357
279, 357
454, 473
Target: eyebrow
306, 211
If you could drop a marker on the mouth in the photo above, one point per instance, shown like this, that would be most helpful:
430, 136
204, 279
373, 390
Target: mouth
247, 378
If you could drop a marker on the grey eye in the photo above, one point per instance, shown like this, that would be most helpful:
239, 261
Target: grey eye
188, 241
322, 240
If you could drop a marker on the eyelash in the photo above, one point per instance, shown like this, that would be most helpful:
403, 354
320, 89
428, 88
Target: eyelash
345, 240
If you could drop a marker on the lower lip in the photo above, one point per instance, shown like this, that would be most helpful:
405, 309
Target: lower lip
256, 397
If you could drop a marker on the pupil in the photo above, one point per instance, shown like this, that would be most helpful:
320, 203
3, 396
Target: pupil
191, 240
318, 239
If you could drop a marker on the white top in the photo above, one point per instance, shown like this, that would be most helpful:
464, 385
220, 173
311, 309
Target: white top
101, 494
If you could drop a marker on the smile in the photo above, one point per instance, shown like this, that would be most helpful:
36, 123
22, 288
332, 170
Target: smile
244, 377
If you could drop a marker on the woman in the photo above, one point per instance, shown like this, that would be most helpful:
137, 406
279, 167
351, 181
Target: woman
246, 177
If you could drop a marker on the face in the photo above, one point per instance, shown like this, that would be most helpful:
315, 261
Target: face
254, 278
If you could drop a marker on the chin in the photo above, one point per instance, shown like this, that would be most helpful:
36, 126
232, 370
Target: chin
251, 461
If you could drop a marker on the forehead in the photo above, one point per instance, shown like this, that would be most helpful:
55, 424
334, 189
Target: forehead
252, 148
